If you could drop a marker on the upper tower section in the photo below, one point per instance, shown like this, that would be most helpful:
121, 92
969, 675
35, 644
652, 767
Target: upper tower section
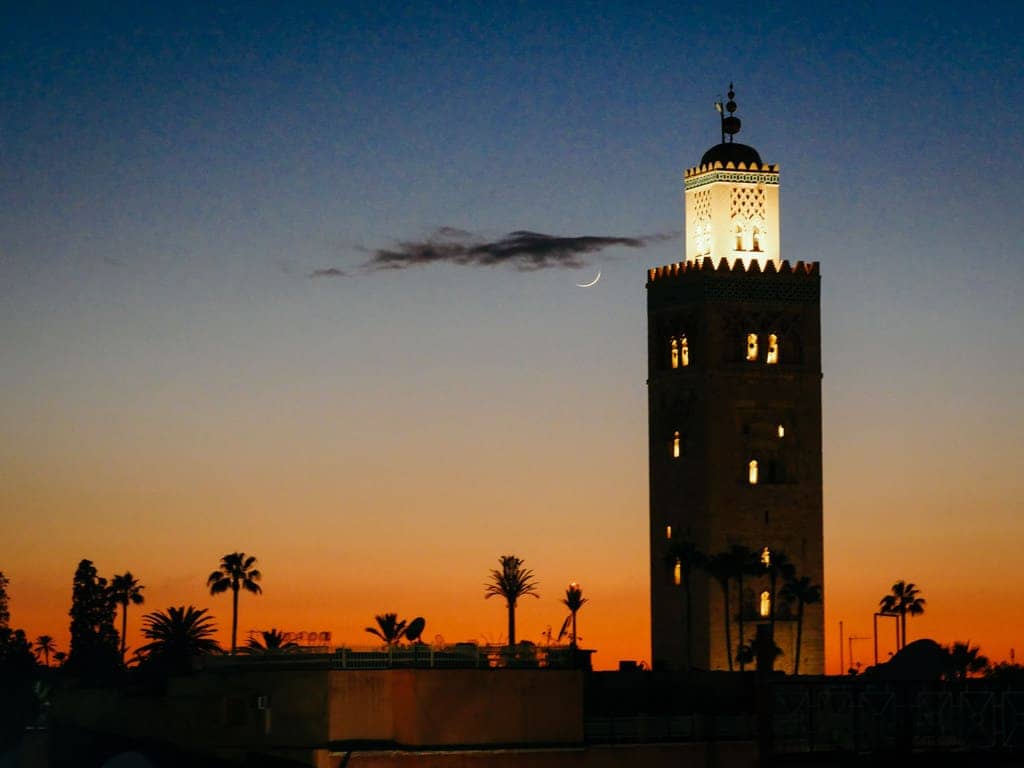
732, 201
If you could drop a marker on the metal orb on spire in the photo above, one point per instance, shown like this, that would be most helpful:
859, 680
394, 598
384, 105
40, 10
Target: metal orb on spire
730, 124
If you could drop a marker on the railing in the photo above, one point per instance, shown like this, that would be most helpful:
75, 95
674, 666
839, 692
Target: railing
458, 656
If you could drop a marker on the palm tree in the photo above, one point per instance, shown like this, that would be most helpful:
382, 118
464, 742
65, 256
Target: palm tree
744, 562
719, 567
779, 567
804, 593
126, 589
60, 657
965, 660
236, 572
45, 645
511, 582
389, 628
573, 600
685, 556
178, 635
270, 641
903, 599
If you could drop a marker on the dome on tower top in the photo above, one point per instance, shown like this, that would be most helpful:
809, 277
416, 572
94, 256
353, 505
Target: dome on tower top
731, 151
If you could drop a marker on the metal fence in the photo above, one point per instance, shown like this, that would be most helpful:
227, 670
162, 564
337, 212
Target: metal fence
895, 716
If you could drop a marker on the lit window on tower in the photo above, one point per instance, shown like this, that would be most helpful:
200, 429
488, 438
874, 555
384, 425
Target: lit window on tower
765, 609
752, 472
766, 557
782, 431
751, 346
757, 239
668, 531
675, 352
773, 350
739, 238
677, 574
684, 351
675, 446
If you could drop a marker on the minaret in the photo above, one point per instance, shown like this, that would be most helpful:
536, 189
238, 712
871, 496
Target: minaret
734, 413
732, 201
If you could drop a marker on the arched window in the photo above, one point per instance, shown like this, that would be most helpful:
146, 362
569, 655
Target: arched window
765, 609
675, 445
773, 350
757, 239
739, 238
668, 531
766, 557
675, 352
677, 574
684, 351
752, 472
751, 346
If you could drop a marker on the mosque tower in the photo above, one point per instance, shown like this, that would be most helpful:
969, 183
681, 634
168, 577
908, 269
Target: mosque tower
734, 424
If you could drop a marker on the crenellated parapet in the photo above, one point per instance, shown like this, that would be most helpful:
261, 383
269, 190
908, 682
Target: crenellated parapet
729, 171
706, 266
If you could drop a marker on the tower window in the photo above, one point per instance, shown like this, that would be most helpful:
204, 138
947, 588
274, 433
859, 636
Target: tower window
668, 531
739, 238
751, 346
684, 351
757, 239
675, 445
773, 350
782, 431
752, 472
765, 609
677, 574
675, 352
766, 557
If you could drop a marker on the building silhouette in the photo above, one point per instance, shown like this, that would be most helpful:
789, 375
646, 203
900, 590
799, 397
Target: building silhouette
734, 407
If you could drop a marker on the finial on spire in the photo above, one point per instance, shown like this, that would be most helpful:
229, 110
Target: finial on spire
730, 124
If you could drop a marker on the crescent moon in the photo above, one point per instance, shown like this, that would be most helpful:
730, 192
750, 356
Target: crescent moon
591, 283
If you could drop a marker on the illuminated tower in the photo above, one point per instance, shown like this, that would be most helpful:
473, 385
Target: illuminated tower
734, 408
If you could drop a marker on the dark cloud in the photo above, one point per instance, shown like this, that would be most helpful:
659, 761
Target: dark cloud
328, 272
526, 251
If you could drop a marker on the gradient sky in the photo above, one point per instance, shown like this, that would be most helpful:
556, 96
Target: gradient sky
174, 385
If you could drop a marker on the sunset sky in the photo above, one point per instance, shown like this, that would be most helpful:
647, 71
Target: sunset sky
196, 358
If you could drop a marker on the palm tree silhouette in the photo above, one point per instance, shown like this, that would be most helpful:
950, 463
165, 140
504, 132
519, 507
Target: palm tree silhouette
965, 659
178, 635
269, 641
511, 582
573, 600
236, 572
45, 645
779, 568
720, 568
744, 562
903, 599
125, 589
389, 628
804, 593
685, 555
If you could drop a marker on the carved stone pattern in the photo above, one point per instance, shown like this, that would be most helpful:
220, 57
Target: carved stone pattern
741, 176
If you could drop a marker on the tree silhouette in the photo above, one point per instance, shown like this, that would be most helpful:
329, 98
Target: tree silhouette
965, 660
779, 568
573, 600
236, 572
94, 640
902, 600
685, 555
45, 645
177, 636
389, 628
804, 593
270, 641
511, 582
125, 589
720, 568
5, 602
743, 562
